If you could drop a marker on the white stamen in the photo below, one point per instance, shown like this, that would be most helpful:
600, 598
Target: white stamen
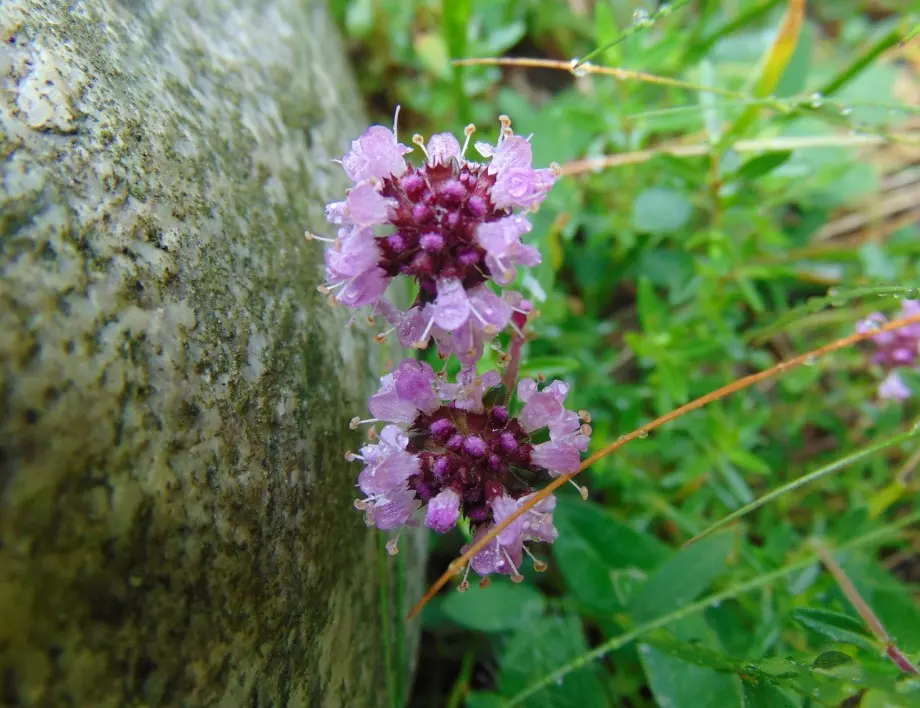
310, 236
356, 421
422, 341
584, 415
360, 504
516, 577
468, 132
583, 491
393, 545
420, 141
479, 317
538, 565
395, 123
351, 457
517, 330
465, 584
585, 429
381, 337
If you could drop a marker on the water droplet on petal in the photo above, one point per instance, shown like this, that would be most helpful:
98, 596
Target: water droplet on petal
817, 100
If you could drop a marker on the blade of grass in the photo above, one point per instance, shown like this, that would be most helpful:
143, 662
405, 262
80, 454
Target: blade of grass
767, 145
837, 297
817, 474
909, 36
456, 19
863, 60
739, 384
772, 66
634, 28
694, 607
747, 17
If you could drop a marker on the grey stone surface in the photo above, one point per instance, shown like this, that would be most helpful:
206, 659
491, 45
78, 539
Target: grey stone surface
175, 512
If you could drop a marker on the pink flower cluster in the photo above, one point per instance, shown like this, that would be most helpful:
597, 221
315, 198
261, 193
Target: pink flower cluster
448, 224
455, 449
894, 350
452, 452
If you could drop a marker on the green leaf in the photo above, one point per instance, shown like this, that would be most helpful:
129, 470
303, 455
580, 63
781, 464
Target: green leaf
682, 578
432, 53
795, 77
652, 313
495, 395
831, 660
834, 626
658, 210
679, 684
499, 607
541, 647
762, 164
762, 693
592, 546
483, 700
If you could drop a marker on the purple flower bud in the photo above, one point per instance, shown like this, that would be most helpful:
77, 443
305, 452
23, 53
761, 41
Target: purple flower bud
432, 241
397, 242
442, 468
509, 442
455, 442
499, 415
413, 184
475, 446
453, 192
468, 256
441, 428
478, 514
476, 206
421, 213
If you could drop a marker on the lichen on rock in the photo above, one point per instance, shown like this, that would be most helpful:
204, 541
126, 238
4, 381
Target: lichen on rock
175, 524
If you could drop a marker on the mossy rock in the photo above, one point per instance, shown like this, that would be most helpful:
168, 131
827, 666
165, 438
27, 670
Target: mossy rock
175, 520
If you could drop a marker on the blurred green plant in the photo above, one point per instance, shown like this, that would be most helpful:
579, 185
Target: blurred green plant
740, 187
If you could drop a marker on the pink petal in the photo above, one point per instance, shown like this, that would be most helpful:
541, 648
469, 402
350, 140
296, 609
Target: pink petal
451, 307
556, 457
525, 389
442, 147
511, 152
375, 154
415, 383
443, 511
366, 206
387, 405
893, 388
394, 511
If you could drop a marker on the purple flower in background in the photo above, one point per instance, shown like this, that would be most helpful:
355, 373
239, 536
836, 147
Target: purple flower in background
893, 350
448, 224
454, 449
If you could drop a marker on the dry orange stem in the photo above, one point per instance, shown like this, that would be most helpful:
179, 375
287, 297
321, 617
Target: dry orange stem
621, 74
742, 383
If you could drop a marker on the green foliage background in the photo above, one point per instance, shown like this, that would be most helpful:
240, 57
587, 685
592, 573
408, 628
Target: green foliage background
663, 280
